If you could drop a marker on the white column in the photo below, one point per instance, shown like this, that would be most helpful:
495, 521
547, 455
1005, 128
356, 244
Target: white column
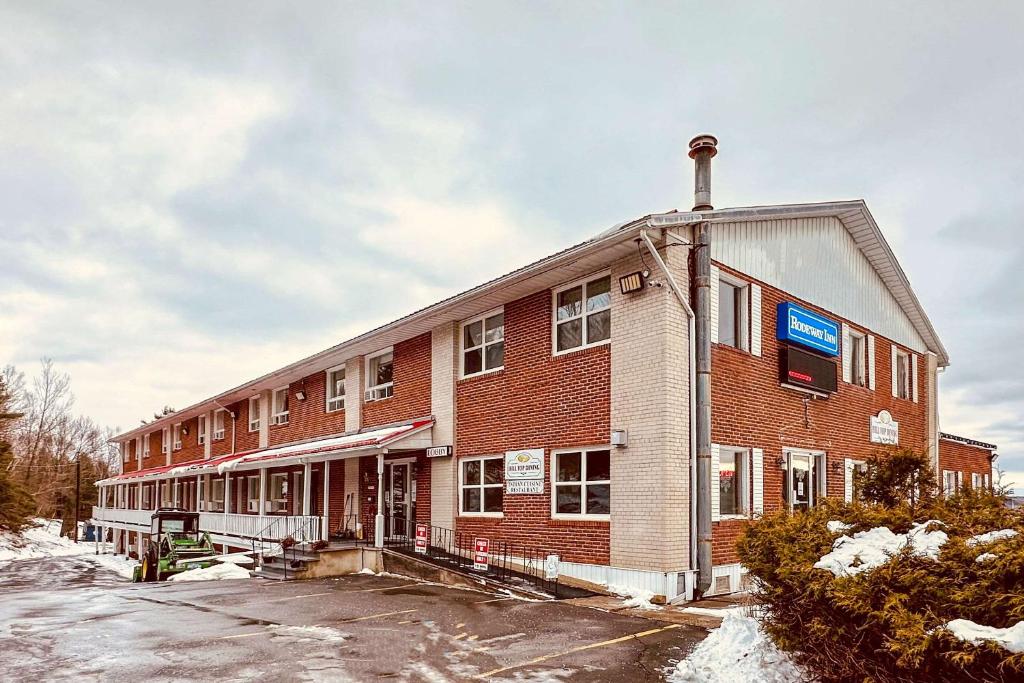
327, 501
227, 494
138, 503
263, 490
176, 492
307, 473
378, 535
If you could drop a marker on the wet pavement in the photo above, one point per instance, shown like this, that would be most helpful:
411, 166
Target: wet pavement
67, 619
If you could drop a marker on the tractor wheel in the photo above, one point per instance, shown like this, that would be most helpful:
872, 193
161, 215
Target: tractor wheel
149, 568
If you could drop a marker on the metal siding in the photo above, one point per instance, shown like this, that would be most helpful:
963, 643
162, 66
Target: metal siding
816, 259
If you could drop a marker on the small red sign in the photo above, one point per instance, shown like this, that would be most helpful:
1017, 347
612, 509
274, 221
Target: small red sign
422, 533
481, 550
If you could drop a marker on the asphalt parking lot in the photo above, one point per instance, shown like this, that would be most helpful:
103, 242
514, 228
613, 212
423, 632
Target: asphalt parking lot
65, 618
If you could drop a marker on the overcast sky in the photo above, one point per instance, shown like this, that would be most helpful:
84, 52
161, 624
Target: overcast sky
190, 197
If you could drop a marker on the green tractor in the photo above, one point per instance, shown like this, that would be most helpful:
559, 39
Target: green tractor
175, 540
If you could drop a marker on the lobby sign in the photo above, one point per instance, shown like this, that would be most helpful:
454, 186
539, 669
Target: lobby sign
884, 429
525, 464
797, 325
439, 451
524, 486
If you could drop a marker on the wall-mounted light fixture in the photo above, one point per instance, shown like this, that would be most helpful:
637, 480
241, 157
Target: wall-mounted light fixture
634, 282
300, 393
620, 438
184, 430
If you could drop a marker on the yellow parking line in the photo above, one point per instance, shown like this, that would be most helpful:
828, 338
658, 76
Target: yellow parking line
484, 602
242, 635
297, 597
377, 616
603, 643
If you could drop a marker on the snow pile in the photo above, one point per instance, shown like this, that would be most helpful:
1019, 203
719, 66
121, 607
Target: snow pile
738, 650
122, 566
866, 550
215, 573
637, 598
1011, 638
837, 527
991, 537
985, 557
41, 540
721, 612
324, 634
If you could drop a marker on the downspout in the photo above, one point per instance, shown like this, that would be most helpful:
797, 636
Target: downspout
691, 370
702, 149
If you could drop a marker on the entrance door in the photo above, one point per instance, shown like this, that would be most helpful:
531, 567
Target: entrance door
800, 489
399, 499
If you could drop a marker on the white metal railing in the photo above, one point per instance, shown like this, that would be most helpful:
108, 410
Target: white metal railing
262, 527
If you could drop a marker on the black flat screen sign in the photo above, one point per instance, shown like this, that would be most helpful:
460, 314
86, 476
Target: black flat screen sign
806, 370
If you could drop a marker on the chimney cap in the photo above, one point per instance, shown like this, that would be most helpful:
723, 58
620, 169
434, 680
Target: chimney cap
703, 143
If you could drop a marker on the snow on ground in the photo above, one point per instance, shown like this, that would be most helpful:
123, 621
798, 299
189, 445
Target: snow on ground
43, 539
121, 565
1011, 638
721, 612
991, 536
324, 634
837, 527
215, 573
866, 550
637, 598
985, 557
738, 650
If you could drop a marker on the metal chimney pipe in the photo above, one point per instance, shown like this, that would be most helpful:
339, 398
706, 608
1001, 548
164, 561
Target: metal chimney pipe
702, 149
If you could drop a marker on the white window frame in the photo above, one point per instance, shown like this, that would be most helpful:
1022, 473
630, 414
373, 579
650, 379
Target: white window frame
948, 482
858, 360
216, 504
908, 393
463, 485
145, 445
571, 516
254, 424
165, 441
334, 403
818, 459
388, 388
201, 430
582, 282
278, 504
743, 454
219, 429
743, 311
176, 436
975, 481
147, 498
249, 498
463, 349
279, 417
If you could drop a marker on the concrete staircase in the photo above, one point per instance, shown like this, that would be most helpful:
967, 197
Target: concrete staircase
294, 564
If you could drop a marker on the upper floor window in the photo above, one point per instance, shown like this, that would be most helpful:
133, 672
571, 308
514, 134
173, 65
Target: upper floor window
380, 375
254, 414
901, 375
583, 315
280, 405
733, 475
218, 424
165, 440
201, 430
336, 389
483, 344
125, 451
733, 320
858, 359
145, 446
177, 436
582, 483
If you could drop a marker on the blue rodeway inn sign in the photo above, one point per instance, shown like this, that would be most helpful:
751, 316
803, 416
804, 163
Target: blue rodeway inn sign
798, 325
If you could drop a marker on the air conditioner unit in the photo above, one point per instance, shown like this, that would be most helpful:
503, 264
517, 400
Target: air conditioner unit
163, 448
219, 434
336, 403
254, 506
177, 445
254, 425
281, 419
377, 393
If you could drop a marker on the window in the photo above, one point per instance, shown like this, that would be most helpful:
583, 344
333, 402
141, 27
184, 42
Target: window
280, 406
218, 424
805, 479
380, 375
986, 480
336, 389
902, 374
201, 430
583, 315
279, 492
145, 446
165, 440
582, 483
733, 468
948, 482
481, 486
167, 493
975, 480
147, 498
217, 495
125, 452
254, 414
732, 313
483, 344
177, 437
858, 362
253, 494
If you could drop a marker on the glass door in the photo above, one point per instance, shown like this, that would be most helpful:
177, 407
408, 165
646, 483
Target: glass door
799, 488
398, 499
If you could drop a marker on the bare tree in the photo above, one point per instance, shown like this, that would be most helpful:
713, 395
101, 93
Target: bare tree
46, 406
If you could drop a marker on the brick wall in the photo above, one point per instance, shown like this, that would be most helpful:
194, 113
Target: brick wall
751, 410
190, 448
309, 419
244, 439
411, 376
537, 401
960, 457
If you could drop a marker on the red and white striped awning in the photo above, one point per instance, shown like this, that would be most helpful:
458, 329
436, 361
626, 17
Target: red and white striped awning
335, 447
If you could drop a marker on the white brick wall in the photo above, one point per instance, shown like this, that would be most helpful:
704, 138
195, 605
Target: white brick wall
649, 394
353, 393
442, 384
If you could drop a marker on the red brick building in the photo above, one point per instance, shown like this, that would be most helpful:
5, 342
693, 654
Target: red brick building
553, 407
965, 462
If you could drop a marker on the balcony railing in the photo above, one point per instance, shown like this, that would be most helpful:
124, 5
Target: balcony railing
262, 527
